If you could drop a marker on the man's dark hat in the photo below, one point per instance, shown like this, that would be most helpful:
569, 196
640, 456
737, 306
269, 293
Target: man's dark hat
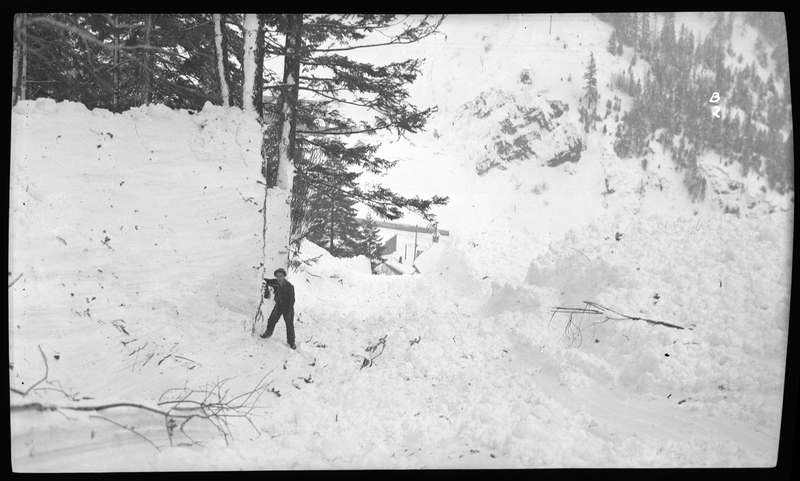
281, 270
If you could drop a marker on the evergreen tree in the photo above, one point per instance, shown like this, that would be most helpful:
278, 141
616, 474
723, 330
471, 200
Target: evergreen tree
667, 40
317, 64
644, 35
119, 61
372, 244
612, 43
633, 21
334, 80
623, 27
591, 90
331, 220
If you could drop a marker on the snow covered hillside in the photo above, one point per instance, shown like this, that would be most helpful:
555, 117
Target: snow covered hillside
138, 240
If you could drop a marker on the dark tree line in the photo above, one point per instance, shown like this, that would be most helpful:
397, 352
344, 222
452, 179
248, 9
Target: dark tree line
672, 101
120, 61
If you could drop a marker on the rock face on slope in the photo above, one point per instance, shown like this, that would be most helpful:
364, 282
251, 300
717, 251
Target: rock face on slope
749, 198
501, 127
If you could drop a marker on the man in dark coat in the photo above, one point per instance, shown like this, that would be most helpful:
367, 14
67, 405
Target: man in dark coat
284, 306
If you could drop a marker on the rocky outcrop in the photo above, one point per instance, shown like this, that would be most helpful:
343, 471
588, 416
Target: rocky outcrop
743, 198
509, 127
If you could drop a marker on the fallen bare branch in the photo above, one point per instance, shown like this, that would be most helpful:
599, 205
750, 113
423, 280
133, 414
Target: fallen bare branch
258, 317
46, 373
633, 318
574, 327
369, 360
128, 428
214, 404
14, 281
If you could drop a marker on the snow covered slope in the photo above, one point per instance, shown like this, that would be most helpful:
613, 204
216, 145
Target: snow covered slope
133, 233
463, 366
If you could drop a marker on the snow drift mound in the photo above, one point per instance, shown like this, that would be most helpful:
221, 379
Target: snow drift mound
321, 262
726, 281
116, 218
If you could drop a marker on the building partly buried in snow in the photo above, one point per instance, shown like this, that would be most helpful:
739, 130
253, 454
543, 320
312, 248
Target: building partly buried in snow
406, 245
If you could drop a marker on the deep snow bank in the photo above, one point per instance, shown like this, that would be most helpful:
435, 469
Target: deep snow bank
460, 367
119, 219
726, 280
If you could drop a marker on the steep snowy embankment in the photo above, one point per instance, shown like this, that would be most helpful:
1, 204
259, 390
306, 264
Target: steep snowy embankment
138, 238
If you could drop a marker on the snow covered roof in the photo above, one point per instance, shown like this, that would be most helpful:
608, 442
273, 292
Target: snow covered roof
407, 227
401, 269
390, 246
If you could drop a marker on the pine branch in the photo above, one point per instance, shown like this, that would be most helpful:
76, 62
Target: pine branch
410, 35
383, 201
89, 37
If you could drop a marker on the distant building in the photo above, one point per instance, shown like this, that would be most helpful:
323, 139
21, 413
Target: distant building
400, 241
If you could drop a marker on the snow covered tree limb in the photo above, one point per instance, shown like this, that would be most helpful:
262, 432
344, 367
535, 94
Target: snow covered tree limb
573, 330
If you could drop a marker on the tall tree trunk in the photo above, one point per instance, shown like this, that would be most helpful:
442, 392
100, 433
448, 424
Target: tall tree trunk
330, 242
223, 81
146, 72
249, 61
260, 53
14, 73
289, 101
277, 210
19, 42
23, 84
116, 64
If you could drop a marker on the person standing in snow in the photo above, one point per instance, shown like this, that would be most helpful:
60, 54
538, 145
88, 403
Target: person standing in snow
284, 305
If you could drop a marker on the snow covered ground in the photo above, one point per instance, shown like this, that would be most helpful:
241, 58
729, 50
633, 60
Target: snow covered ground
138, 238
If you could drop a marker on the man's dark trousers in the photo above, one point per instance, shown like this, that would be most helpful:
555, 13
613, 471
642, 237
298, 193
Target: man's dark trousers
288, 318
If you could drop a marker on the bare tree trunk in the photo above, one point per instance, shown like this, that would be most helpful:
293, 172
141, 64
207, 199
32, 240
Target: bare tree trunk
330, 242
249, 63
223, 82
289, 101
17, 59
260, 52
277, 211
146, 76
116, 64
23, 84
